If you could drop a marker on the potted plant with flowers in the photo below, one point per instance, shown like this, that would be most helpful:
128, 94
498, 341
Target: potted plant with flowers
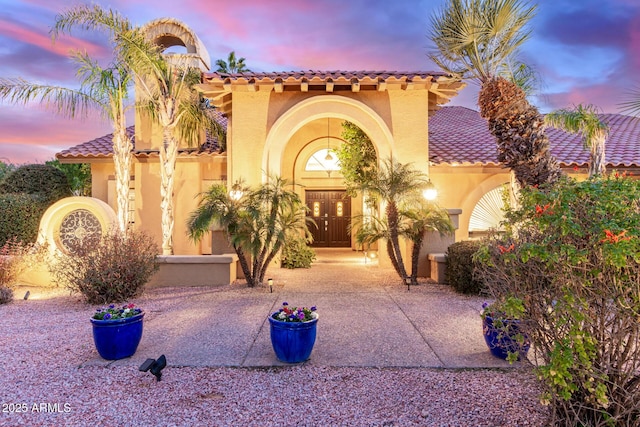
117, 331
501, 327
293, 332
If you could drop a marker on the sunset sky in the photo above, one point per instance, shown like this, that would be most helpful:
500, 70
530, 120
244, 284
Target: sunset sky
586, 51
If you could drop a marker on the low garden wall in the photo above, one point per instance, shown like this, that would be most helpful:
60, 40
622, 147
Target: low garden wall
195, 270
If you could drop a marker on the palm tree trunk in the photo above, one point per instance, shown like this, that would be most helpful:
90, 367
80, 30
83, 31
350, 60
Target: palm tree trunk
392, 219
415, 257
244, 264
122, 164
597, 162
168, 156
519, 130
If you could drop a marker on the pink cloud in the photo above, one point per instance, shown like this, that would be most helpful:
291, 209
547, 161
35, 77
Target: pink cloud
38, 38
34, 135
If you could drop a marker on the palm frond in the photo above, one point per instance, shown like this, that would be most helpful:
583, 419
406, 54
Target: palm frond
89, 17
475, 38
67, 102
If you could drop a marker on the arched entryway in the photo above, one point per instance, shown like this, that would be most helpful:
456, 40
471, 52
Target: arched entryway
296, 148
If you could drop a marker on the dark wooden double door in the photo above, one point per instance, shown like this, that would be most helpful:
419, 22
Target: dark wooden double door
331, 211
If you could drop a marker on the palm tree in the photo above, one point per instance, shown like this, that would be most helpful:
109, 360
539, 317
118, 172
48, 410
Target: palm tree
164, 87
256, 224
394, 184
479, 40
231, 65
110, 85
584, 120
102, 89
419, 220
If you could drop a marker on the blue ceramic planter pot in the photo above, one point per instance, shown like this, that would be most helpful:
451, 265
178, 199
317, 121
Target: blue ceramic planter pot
500, 341
293, 341
117, 339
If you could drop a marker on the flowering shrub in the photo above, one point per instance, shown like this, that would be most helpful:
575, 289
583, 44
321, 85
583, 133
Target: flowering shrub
113, 313
571, 255
114, 269
295, 314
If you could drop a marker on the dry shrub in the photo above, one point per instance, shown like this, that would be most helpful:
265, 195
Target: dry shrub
113, 270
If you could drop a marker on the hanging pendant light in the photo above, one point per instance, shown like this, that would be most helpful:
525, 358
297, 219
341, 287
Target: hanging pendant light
328, 157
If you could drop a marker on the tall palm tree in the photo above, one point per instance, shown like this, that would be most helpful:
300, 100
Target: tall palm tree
101, 89
110, 86
584, 120
256, 224
479, 40
164, 91
164, 88
232, 64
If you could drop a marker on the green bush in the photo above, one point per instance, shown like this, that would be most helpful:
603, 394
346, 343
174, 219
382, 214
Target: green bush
45, 180
297, 254
20, 216
571, 254
460, 267
113, 270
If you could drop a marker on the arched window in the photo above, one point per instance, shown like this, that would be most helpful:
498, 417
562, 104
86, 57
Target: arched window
323, 160
488, 212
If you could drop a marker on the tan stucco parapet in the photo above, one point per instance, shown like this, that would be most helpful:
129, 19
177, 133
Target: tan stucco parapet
218, 86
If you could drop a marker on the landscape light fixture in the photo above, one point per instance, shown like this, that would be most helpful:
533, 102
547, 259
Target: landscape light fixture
270, 282
430, 192
154, 366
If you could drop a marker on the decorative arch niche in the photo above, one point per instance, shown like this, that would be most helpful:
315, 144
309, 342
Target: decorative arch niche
169, 32
72, 219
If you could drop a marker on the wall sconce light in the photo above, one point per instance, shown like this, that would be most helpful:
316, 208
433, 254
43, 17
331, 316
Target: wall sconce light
430, 192
236, 192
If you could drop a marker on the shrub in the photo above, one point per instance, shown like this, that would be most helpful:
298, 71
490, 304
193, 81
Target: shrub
113, 270
296, 254
571, 254
6, 295
460, 267
20, 216
12, 261
45, 180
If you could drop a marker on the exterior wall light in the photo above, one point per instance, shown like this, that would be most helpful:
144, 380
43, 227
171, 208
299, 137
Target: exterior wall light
236, 192
430, 192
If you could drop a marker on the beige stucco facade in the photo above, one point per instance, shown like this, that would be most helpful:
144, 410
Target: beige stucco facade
275, 123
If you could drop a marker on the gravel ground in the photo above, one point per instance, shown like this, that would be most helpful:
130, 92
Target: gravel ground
46, 341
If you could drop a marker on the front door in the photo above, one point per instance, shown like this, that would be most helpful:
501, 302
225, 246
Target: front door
331, 210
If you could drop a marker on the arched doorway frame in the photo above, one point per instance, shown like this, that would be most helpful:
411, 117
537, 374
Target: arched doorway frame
321, 107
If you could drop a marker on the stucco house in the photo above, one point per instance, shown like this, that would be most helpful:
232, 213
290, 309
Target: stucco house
283, 123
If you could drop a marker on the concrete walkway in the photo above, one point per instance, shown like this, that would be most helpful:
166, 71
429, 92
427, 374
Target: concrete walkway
367, 319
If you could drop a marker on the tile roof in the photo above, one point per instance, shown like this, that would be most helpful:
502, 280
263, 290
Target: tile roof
460, 135
324, 75
102, 147
456, 135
